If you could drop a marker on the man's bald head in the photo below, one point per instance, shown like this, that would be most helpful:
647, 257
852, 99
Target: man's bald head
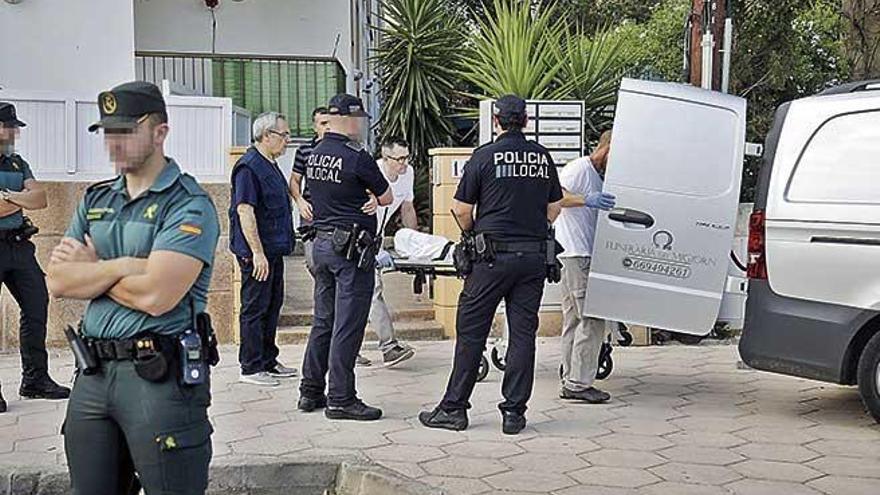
599, 157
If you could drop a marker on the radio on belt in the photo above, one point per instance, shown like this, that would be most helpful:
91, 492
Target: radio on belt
195, 369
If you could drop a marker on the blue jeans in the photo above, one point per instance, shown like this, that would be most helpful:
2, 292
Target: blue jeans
342, 302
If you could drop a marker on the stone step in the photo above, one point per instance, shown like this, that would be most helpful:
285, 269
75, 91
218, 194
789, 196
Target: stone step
300, 319
408, 330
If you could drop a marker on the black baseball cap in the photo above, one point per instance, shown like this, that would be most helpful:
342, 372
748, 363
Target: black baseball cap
346, 105
123, 106
8, 117
510, 106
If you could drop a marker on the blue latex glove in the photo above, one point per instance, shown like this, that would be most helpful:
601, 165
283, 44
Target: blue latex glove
383, 260
601, 201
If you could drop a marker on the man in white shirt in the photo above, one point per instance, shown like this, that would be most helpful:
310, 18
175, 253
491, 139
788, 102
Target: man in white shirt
394, 165
575, 229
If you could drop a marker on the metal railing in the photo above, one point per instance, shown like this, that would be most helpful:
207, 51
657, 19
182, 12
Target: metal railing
291, 85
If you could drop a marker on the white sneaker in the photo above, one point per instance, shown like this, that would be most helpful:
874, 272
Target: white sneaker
261, 379
281, 371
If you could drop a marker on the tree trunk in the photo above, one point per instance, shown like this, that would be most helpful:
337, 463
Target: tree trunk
863, 40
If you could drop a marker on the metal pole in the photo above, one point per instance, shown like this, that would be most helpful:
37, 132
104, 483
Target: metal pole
728, 47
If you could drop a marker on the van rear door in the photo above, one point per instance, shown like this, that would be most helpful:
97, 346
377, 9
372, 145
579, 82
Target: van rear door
660, 258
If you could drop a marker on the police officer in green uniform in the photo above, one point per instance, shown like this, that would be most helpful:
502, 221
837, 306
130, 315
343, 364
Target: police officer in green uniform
140, 249
19, 270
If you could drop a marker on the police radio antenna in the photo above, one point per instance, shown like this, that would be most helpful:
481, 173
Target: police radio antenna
456, 220
382, 225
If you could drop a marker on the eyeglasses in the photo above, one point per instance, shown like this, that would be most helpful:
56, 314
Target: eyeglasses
399, 159
283, 135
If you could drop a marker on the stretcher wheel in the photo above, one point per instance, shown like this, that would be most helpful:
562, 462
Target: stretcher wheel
498, 360
606, 364
483, 370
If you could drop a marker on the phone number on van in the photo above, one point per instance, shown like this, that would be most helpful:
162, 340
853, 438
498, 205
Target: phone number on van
657, 267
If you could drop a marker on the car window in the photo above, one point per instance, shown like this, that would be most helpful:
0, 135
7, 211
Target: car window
841, 163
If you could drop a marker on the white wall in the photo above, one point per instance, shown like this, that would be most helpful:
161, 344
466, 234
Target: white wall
66, 45
252, 27
57, 143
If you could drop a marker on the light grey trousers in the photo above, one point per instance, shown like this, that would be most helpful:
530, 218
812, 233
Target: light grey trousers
380, 317
582, 337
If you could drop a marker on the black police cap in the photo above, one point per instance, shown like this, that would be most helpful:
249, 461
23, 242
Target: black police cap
346, 105
8, 117
124, 106
510, 106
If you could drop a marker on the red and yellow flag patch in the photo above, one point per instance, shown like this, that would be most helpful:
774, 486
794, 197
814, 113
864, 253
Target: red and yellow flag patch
188, 228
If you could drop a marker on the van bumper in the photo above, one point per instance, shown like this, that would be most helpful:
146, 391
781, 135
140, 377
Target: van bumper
798, 337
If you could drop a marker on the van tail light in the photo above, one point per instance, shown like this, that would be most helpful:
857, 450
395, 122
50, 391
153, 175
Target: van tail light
757, 268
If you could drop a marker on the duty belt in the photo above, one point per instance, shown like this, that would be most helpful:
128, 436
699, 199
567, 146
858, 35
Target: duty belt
519, 247
125, 349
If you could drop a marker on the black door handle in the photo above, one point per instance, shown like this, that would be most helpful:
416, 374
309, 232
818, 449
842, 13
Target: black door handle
626, 215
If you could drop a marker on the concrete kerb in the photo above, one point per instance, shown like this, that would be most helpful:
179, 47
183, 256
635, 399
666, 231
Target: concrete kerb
252, 476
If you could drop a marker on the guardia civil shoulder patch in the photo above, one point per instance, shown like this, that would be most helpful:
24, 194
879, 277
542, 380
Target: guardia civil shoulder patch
187, 228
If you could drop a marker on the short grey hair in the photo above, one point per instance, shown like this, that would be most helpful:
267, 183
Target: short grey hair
264, 123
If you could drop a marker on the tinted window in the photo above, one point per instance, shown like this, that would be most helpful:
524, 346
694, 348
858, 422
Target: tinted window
841, 163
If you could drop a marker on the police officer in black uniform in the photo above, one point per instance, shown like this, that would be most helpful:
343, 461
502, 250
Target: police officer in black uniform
19, 270
514, 185
341, 177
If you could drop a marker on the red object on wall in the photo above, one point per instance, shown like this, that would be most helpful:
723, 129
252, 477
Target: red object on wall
212, 4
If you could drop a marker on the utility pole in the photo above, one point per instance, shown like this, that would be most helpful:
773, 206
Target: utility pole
710, 44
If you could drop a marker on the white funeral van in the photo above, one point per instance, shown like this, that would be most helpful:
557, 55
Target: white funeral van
661, 257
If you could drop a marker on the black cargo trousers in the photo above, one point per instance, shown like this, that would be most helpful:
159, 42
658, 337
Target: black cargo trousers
517, 278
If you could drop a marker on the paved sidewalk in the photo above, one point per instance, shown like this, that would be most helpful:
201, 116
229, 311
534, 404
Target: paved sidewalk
684, 420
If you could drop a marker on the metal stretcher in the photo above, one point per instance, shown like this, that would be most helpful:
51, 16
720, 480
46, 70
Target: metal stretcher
425, 271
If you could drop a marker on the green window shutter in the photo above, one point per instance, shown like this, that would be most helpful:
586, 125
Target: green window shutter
292, 87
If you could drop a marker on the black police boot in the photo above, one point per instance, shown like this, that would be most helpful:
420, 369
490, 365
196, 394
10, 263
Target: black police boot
2, 403
512, 422
447, 420
357, 411
591, 395
310, 404
43, 389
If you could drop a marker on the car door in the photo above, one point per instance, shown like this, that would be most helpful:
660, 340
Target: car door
660, 258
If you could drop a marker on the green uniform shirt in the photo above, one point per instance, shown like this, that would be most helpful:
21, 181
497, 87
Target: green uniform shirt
175, 214
14, 171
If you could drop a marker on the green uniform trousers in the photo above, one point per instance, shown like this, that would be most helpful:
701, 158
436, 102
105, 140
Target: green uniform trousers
118, 423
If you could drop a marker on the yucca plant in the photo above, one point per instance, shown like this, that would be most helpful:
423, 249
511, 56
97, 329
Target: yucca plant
513, 51
419, 56
591, 70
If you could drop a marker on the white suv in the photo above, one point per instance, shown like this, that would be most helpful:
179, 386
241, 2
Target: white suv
813, 305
